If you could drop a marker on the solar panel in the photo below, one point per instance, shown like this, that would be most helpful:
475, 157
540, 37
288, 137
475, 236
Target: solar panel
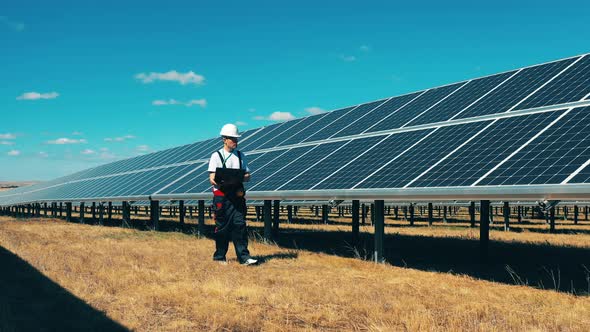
323, 121
460, 100
516, 89
572, 85
551, 157
300, 164
494, 131
492, 146
415, 108
370, 158
397, 172
360, 124
323, 168
344, 122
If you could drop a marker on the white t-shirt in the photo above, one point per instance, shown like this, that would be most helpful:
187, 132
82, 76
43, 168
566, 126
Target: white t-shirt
231, 161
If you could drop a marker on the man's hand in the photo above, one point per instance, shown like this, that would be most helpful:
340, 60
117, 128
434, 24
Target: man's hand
246, 177
212, 178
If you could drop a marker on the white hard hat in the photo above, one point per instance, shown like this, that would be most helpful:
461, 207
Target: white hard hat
230, 130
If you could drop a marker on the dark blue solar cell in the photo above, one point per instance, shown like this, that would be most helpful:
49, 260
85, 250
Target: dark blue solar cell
261, 137
297, 166
551, 157
571, 85
148, 184
396, 173
358, 124
507, 95
322, 121
290, 128
324, 168
344, 121
261, 173
460, 99
199, 174
370, 159
485, 151
582, 177
413, 109
198, 181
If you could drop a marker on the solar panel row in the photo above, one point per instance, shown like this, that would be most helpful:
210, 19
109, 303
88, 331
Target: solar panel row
318, 152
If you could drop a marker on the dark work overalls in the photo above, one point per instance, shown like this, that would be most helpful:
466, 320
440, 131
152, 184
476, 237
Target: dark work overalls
230, 220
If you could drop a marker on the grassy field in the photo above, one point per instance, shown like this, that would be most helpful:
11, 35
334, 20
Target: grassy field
115, 278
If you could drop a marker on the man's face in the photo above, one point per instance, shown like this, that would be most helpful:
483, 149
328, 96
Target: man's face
230, 142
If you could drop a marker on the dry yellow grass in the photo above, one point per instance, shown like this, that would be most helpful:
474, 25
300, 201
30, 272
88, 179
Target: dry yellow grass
167, 281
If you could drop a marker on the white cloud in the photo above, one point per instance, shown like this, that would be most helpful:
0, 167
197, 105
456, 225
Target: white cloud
348, 58
13, 153
174, 76
6, 143
315, 110
37, 95
276, 116
142, 148
7, 136
281, 116
200, 102
16, 26
62, 141
88, 152
119, 139
43, 154
365, 48
240, 123
107, 156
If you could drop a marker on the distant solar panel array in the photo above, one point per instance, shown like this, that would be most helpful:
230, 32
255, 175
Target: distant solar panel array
523, 131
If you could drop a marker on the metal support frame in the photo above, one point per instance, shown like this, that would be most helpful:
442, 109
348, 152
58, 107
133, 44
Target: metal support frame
325, 214
430, 217
82, 212
69, 212
379, 223
355, 222
101, 213
506, 211
363, 214
181, 213
267, 217
110, 212
201, 221
484, 230
411, 208
276, 218
576, 214
289, 213
155, 215
552, 219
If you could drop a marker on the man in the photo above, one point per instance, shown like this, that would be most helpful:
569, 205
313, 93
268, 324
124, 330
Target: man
229, 203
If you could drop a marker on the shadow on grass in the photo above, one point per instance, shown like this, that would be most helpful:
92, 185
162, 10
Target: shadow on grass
544, 266
29, 301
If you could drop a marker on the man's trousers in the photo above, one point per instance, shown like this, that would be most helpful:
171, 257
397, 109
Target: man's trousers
230, 222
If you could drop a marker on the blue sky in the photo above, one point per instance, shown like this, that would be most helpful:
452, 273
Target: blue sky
90, 82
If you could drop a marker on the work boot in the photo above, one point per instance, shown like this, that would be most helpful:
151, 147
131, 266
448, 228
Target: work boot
250, 261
